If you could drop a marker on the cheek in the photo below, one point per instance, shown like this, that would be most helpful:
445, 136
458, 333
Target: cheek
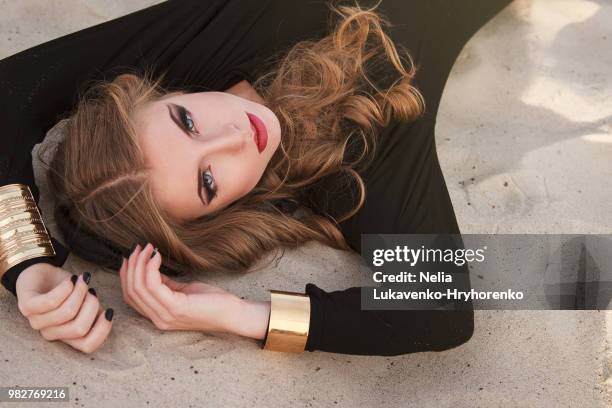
251, 176
174, 186
222, 108
240, 177
170, 195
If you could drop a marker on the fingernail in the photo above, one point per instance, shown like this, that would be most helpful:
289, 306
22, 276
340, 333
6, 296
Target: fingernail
74, 278
154, 252
92, 291
109, 314
87, 277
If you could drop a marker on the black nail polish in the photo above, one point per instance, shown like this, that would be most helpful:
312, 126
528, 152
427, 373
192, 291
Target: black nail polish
74, 278
92, 291
109, 314
87, 277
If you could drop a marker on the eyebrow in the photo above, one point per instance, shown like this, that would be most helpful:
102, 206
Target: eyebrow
180, 126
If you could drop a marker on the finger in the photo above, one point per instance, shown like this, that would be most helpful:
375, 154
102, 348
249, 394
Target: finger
153, 309
143, 291
67, 311
122, 270
31, 304
123, 278
192, 287
131, 283
154, 280
97, 335
77, 327
128, 282
129, 278
174, 285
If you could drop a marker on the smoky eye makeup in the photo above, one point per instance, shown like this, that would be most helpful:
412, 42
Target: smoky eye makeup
208, 183
183, 119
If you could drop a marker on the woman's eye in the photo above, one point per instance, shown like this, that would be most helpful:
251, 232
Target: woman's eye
209, 184
187, 121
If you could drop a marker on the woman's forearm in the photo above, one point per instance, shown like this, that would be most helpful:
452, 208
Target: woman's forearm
250, 319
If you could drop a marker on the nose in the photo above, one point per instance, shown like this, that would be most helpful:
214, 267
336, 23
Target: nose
229, 138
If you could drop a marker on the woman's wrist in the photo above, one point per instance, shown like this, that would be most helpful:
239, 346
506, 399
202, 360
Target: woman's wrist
250, 319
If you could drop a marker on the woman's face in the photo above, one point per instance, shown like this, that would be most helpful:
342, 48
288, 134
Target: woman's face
205, 150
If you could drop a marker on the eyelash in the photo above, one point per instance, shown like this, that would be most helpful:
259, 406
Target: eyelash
211, 190
186, 116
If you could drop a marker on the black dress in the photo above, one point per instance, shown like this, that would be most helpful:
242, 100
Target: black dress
212, 45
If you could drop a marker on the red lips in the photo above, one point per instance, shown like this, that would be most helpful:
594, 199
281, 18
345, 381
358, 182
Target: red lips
260, 133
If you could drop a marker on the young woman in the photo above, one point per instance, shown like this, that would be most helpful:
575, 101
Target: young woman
216, 132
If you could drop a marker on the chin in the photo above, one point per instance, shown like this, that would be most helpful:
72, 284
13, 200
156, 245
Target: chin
275, 129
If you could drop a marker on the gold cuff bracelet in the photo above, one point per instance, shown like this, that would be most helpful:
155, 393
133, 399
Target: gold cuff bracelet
289, 322
23, 234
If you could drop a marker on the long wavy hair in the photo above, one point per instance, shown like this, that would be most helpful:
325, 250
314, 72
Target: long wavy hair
331, 95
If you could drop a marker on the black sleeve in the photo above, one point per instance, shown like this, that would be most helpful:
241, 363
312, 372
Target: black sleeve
9, 279
405, 194
339, 324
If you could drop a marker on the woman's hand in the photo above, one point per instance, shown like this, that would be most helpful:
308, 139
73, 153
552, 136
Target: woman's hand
173, 305
62, 307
